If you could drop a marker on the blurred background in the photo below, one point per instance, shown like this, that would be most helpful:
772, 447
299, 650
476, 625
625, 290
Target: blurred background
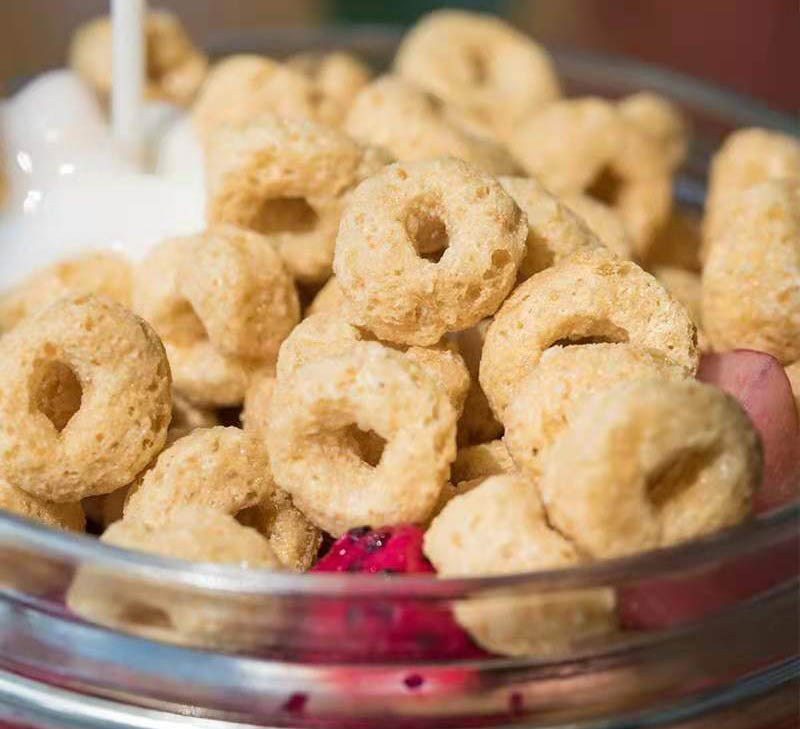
752, 46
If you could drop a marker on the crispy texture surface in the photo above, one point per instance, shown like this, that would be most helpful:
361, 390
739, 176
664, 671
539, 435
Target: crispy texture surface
651, 463
410, 210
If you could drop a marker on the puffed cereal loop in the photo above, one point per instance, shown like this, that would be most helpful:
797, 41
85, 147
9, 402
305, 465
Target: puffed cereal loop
60, 516
315, 458
751, 280
586, 299
499, 527
651, 463
84, 399
490, 72
399, 222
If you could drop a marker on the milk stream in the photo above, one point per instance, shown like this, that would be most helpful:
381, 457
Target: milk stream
68, 190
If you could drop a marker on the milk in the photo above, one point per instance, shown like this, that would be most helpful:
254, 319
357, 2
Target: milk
70, 190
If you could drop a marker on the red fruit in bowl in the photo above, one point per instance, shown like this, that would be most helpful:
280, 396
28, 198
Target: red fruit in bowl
759, 382
391, 628
391, 550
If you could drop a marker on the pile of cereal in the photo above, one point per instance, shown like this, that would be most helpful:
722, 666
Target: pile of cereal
446, 299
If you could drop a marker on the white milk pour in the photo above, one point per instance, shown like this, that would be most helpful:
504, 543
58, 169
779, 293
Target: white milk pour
76, 184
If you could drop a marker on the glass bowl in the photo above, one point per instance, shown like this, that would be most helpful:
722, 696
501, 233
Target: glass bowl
708, 636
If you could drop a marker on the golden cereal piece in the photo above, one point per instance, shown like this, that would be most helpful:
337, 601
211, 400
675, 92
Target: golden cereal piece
187, 417
293, 538
222, 302
500, 527
290, 181
100, 273
492, 74
588, 298
400, 218
747, 158
60, 516
175, 68
545, 402
242, 88
660, 119
603, 221
84, 400
224, 469
648, 464
326, 335
317, 461
584, 145
396, 115
338, 77
554, 231
751, 280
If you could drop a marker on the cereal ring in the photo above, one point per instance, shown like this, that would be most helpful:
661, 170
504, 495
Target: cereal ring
329, 300
326, 335
603, 221
647, 464
477, 423
554, 231
240, 291
170, 612
660, 119
588, 298
195, 534
59, 516
751, 280
289, 180
500, 528
374, 389
257, 399
481, 461
217, 330
493, 74
175, 68
686, 288
224, 469
545, 401
84, 399
412, 125
584, 145
293, 538
747, 158
241, 88
338, 77
395, 292
100, 273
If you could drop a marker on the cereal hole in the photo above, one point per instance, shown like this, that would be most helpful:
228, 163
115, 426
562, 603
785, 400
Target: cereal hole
284, 215
427, 229
55, 391
600, 331
368, 444
477, 65
187, 325
675, 475
606, 187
